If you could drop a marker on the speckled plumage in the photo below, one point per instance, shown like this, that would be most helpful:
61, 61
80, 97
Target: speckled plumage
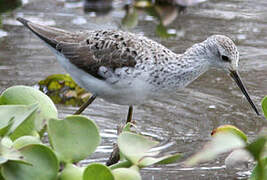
126, 68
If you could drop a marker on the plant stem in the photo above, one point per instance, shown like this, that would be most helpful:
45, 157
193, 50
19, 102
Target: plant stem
124, 164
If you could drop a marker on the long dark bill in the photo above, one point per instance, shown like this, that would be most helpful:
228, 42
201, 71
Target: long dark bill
238, 81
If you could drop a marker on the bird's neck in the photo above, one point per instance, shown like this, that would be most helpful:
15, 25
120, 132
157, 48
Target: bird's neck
190, 65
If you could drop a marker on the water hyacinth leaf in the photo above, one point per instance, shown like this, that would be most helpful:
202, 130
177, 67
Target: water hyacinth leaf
256, 147
1, 177
221, 143
11, 154
260, 170
97, 171
74, 138
126, 173
232, 129
134, 146
264, 106
23, 95
5, 126
17, 120
147, 161
44, 165
25, 141
71, 172
6, 141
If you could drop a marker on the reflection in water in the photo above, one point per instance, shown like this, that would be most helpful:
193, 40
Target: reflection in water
100, 7
8, 5
182, 3
165, 15
163, 12
185, 119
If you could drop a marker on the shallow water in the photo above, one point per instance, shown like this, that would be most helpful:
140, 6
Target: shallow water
182, 122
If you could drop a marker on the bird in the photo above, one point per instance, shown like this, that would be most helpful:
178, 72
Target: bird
128, 69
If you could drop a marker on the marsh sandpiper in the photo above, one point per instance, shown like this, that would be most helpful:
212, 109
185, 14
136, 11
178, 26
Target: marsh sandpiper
127, 69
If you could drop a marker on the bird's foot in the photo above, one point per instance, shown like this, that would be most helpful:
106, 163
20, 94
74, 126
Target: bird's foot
115, 155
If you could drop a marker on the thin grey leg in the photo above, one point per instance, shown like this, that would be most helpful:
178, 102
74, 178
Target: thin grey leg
130, 114
115, 155
86, 104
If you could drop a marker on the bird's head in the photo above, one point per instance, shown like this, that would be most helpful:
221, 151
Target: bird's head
223, 54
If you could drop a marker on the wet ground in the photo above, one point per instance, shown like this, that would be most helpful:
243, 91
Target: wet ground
182, 122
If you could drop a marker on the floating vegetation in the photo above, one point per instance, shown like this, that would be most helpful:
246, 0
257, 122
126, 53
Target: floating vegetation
24, 156
63, 90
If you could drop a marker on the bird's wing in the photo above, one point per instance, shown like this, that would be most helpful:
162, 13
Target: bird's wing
100, 48
90, 50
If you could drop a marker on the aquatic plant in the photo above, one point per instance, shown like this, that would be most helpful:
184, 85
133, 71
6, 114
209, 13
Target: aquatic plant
27, 114
228, 138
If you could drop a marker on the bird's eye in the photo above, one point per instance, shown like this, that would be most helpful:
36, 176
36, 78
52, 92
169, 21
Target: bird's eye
225, 58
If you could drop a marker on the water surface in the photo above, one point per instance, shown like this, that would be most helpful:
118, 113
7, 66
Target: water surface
183, 121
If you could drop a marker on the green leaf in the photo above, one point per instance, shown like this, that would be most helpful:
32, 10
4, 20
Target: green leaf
126, 174
1, 177
25, 141
134, 146
232, 129
5, 126
260, 170
71, 172
6, 141
256, 147
97, 171
10, 153
73, 138
221, 143
44, 165
17, 120
147, 161
23, 95
127, 127
264, 106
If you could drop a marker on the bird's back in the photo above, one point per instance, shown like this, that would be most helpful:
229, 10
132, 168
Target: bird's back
108, 61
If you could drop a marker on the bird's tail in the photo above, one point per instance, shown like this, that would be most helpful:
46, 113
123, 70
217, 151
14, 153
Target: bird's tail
45, 33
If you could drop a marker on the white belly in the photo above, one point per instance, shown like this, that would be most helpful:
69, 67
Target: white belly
118, 93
